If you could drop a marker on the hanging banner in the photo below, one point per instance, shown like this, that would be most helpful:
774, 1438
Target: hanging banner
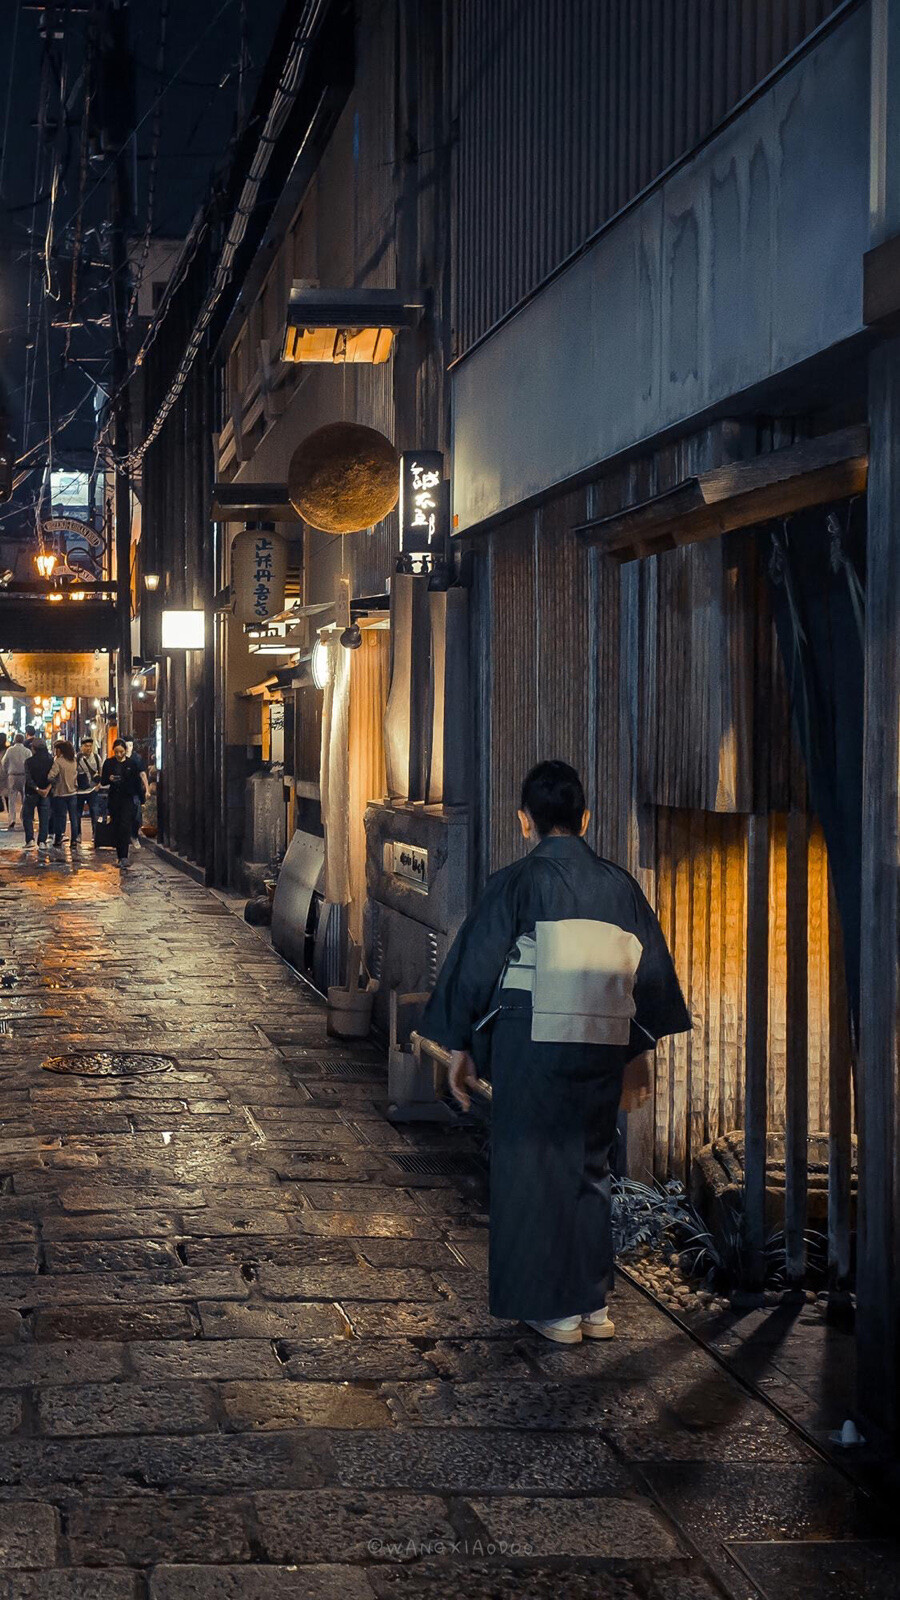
84, 545
259, 562
51, 672
424, 501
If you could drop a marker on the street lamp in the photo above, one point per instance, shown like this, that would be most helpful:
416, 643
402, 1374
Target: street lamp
45, 562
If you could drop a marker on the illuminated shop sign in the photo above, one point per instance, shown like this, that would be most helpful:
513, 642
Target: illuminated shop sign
424, 503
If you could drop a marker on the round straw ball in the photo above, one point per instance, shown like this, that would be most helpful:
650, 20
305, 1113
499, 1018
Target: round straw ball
344, 477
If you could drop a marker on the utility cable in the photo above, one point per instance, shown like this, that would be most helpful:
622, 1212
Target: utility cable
9, 91
282, 104
155, 139
82, 180
152, 106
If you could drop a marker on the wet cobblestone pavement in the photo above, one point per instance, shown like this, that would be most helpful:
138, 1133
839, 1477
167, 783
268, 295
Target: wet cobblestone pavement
245, 1352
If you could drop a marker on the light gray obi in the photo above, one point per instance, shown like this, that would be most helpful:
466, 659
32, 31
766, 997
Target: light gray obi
580, 975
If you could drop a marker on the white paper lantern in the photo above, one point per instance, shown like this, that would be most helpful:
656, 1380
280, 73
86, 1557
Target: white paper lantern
259, 562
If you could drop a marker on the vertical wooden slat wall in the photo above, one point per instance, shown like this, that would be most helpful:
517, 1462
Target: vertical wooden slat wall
554, 619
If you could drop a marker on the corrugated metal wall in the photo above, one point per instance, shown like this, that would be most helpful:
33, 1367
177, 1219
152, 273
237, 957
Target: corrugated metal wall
567, 109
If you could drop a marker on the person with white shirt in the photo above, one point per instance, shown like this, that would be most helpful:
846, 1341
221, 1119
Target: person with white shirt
14, 772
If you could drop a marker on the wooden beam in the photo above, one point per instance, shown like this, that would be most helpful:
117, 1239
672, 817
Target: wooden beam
757, 1048
881, 283
878, 1246
796, 1132
737, 495
252, 502
840, 1118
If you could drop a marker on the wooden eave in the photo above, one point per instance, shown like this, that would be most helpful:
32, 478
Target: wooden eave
252, 502
737, 495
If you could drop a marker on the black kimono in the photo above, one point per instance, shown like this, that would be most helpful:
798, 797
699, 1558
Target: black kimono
564, 967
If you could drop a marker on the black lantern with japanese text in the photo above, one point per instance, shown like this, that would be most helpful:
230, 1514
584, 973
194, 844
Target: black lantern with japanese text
424, 510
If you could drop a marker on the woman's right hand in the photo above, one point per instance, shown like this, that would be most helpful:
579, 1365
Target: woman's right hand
461, 1076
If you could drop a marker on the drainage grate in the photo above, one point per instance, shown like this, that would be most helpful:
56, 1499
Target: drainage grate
352, 1072
438, 1166
109, 1063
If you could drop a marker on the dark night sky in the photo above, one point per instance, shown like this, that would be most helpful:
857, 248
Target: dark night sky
199, 110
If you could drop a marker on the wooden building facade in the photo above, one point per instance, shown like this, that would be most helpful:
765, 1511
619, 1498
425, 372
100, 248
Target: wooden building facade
642, 349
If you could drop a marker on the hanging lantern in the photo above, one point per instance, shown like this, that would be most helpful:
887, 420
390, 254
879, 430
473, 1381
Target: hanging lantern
344, 478
69, 702
259, 561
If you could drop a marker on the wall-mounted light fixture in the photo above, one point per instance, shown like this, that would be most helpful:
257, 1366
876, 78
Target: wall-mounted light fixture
319, 664
338, 325
151, 581
183, 630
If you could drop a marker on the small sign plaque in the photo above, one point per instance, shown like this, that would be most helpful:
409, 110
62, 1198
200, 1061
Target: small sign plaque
409, 862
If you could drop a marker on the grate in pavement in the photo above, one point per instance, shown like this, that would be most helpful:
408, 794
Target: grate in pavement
438, 1166
352, 1072
109, 1063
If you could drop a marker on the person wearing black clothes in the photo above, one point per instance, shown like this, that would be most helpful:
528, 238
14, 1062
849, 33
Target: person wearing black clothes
138, 817
37, 794
561, 981
125, 782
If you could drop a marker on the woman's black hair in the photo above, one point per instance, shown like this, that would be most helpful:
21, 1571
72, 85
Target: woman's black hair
553, 796
117, 742
65, 749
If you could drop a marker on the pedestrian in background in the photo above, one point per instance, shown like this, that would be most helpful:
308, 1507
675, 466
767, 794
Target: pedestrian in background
64, 803
37, 794
14, 772
125, 782
140, 799
88, 781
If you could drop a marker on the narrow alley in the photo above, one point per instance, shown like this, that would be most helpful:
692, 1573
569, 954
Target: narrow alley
246, 1348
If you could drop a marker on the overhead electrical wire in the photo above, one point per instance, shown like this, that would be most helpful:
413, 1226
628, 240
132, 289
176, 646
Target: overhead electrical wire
155, 139
82, 181
9, 92
282, 104
172, 80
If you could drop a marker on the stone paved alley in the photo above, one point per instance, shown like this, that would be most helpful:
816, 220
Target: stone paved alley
246, 1350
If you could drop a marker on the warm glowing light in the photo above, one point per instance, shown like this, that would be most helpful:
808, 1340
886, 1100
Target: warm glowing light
57, 719
69, 702
151, 581
45, 562
319, 663
54, 597
183, 630
78, 594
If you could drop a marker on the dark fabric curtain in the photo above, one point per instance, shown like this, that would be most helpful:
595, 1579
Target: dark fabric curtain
816, 568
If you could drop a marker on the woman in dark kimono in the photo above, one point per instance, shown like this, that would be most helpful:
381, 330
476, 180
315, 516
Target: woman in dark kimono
560, 977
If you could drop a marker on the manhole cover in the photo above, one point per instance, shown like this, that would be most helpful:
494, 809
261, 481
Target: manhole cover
109, 1063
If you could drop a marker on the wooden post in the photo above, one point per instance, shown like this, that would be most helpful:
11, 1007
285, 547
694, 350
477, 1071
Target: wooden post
796, 1133
757, 1047
878, 1271
840, 1115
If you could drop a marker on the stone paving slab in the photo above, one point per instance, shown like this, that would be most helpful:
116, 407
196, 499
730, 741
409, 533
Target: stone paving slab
244, 1356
